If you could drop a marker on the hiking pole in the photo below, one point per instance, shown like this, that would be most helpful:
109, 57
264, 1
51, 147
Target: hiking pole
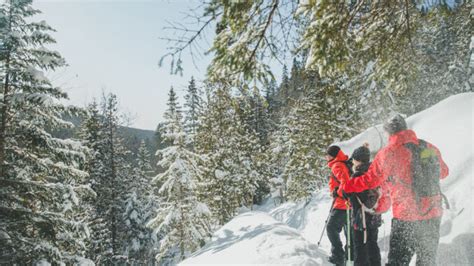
348, 214
326, 222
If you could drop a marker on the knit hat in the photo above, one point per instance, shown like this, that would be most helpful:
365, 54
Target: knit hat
333, 150
395, 124
362, 154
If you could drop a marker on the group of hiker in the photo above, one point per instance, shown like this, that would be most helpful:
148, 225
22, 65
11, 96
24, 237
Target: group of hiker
404, 175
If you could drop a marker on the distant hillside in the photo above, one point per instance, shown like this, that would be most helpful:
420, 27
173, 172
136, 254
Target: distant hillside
131, 136
137, 132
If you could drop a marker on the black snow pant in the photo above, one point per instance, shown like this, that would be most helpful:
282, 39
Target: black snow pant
414, 237
337, 222
368, 253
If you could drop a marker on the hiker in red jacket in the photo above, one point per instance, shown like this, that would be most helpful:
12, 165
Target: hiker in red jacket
337, 221
416, 207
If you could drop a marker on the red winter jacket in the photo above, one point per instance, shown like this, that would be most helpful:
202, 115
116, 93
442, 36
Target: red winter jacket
393, 162
340, 172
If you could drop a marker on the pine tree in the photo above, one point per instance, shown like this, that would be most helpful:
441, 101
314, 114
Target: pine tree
231, 176
279, 154
299, 172
326, 113
40, 175
111, 178
284, 91
137, 240
255, 127
93, 138
296, 78
181, 221
253, 111
193, 107
270, 96
116, 175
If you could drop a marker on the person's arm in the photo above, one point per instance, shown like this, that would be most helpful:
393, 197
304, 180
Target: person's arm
371, 179
333, 184
342, 174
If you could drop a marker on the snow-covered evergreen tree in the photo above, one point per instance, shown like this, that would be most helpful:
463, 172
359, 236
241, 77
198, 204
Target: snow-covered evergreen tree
327, 113
193, 109
111, 178
182, 221
40, 175
299, 173
279, 154
93, 138
231, 171
284, 91
271, 96
116, 175
255, 126
137, 240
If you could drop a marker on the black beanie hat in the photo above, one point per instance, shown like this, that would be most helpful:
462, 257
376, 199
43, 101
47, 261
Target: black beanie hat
395, 124
362, 154
333, 150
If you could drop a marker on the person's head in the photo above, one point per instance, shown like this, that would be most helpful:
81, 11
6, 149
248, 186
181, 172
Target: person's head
332, 152
361, 155
395, 124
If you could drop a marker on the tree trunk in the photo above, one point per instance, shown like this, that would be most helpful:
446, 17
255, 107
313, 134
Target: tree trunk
181, 233
5, 104
113, 184
4, 114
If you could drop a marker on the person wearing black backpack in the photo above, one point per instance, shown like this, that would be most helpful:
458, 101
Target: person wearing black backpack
364, 218
411, 168
340, 173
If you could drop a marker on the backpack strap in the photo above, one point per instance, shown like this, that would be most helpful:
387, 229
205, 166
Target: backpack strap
364, 223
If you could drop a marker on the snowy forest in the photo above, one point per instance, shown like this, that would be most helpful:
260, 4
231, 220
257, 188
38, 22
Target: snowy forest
74, 190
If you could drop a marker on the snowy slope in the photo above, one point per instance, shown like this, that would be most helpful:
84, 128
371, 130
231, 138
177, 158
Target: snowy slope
257, 238
287, 234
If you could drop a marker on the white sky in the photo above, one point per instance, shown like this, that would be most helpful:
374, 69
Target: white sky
115, 46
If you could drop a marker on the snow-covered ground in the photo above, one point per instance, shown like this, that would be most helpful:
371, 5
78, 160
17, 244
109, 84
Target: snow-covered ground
288, 234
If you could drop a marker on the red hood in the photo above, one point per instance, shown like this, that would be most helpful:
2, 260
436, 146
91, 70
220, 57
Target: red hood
340, 157
402, 137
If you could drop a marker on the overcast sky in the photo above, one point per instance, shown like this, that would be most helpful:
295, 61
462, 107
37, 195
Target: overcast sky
115, 46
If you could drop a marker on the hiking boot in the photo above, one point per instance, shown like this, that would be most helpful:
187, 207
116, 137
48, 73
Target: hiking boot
336, 260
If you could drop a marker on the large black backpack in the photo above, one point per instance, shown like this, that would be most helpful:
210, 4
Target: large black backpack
425, 169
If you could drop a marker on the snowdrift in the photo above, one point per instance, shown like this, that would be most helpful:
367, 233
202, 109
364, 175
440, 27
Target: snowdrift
257, 238
287, 234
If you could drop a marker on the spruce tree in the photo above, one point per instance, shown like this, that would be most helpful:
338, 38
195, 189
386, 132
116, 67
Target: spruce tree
193, 106
231, 176
93, 138
110, 177
137, 240
284, 91
279, 155
270, 96
115, 175
181, 221
327, 111
40, 176
254, 128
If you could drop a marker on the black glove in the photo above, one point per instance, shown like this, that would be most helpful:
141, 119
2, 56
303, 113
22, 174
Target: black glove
334, 192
